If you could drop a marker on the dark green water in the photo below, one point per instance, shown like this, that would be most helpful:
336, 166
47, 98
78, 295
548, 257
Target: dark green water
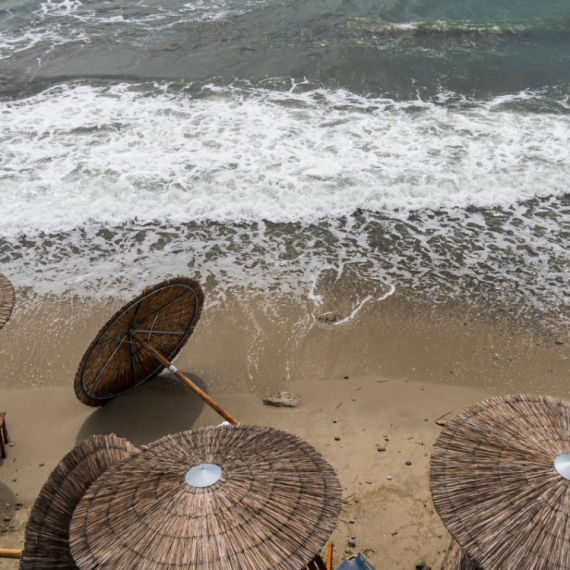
395, 48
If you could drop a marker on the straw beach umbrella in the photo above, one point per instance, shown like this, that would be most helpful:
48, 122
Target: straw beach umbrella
165, 315
236, 497
457, 559
500, 481
140, 340
7, 300
47, 531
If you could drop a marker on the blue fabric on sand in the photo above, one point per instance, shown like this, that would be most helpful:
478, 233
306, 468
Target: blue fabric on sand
356, 563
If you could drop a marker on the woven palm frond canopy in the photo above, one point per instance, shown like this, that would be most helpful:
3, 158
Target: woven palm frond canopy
500, 481
47, 532
457, 559
241, 497
164, 316
7, 300
140, 341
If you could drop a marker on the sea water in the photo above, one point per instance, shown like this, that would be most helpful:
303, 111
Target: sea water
274, 144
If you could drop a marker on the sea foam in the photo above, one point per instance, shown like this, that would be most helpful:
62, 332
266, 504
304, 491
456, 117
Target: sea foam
80, 154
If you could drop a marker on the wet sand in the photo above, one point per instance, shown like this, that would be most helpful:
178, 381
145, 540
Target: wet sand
407, 364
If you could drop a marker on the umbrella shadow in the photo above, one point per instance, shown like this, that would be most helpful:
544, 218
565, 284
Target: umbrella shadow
8, 509
154, 409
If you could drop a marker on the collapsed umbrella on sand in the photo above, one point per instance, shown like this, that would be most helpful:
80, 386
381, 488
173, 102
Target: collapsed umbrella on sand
46, 543
140, 340
500, 481
7, 300
243, 497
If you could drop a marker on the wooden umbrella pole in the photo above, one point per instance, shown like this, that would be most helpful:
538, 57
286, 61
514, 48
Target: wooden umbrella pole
330, 556
188, 382
7, 553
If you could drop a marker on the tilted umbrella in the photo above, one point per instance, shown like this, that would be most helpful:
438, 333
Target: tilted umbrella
500, 481
140, 340
235, 497
7, 300
46, 544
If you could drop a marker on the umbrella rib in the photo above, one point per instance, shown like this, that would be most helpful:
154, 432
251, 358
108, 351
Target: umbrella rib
119, 334
133, 362
136, 313
106, 363
108, 341
152, 327
165, 307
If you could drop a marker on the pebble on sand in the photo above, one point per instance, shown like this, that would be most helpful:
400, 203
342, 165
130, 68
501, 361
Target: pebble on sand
282, 399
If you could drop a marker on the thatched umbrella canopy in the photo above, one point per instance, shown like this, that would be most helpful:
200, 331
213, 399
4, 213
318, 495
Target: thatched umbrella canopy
163, 315
46, 543
458, 559
236, 497
7, 300
500, 482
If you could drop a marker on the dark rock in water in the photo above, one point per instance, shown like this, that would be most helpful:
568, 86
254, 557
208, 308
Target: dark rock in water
330, 318
282, 399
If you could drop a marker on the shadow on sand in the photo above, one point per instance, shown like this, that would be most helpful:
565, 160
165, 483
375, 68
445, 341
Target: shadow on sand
156, 408
8, 502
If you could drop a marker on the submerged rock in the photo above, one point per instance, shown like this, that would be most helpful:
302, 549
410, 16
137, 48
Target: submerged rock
330, 318
282, 399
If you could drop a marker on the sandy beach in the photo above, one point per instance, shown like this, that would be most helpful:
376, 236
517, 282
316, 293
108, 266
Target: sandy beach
378, 382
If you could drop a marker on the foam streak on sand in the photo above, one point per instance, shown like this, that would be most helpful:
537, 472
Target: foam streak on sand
390, 292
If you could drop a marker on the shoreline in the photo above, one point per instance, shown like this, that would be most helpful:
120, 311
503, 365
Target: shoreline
255, 343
